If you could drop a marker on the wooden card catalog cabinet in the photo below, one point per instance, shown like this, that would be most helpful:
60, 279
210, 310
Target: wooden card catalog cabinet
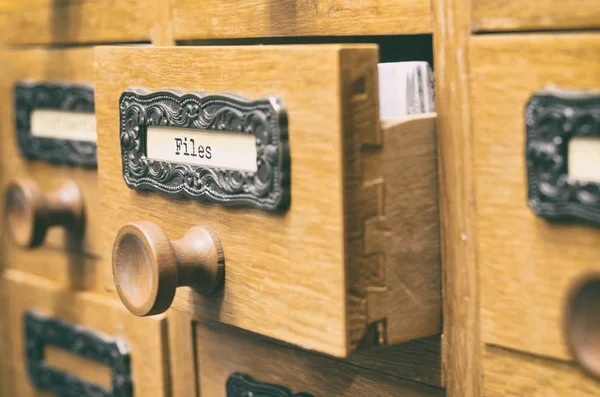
256, 186
213, 19
49, 195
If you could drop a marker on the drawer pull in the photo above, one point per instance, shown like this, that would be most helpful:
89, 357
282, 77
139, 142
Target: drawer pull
241, 385
72, 102
31, 212
42, 331
556, 120
582, 323
148, 267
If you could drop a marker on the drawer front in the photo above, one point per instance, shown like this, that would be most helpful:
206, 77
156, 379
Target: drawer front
512, 374
234, 363
70, 344
322, 256
515, 15
58, 205
528, 264
72, 271
418, 361
263, 18
84, 21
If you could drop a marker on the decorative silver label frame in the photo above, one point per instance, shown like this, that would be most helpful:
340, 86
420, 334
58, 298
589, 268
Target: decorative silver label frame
267, 189
242, 385
553, 117
41, 331
29, 96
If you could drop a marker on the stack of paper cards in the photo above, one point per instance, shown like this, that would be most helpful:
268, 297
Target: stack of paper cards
405, 88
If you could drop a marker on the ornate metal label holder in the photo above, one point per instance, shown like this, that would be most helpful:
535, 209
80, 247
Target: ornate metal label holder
241, 385
268, 188
53, 96
553, 118
41, 331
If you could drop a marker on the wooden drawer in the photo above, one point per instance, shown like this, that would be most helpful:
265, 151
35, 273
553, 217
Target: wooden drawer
264, 18
68, 270
233, 362
44, 69
353, 260
512, 15
512, 374
60, 339
527, 264
82, 21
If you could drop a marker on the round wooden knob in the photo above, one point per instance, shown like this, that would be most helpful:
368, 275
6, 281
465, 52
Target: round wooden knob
582, 323
148, 267
31, 212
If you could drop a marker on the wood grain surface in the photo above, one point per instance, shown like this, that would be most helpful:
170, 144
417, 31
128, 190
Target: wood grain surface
223, 350
405, 237
418, 361
145, 337
527, 264
83, 21
69, 270
460, 280
512, 374
71, 66
310, 261
182, 354
516, 15
266, 18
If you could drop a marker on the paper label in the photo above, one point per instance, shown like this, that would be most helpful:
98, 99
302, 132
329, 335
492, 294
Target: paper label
218, 149
63, 124
584, 159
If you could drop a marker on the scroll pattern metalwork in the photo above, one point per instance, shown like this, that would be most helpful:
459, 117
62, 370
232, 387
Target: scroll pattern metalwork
268, 188
42, 331
57, 96
553, 118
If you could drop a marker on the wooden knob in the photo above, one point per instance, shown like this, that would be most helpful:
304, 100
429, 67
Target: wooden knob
148, 267
582, 323
31, 212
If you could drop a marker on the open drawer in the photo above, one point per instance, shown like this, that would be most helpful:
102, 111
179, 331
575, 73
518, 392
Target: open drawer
305, 218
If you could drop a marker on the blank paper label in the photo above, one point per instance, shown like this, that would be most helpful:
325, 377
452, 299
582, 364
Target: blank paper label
63, 124
584, 159
217, 149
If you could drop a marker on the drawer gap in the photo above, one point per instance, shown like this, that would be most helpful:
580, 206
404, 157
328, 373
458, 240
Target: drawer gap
392, 48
